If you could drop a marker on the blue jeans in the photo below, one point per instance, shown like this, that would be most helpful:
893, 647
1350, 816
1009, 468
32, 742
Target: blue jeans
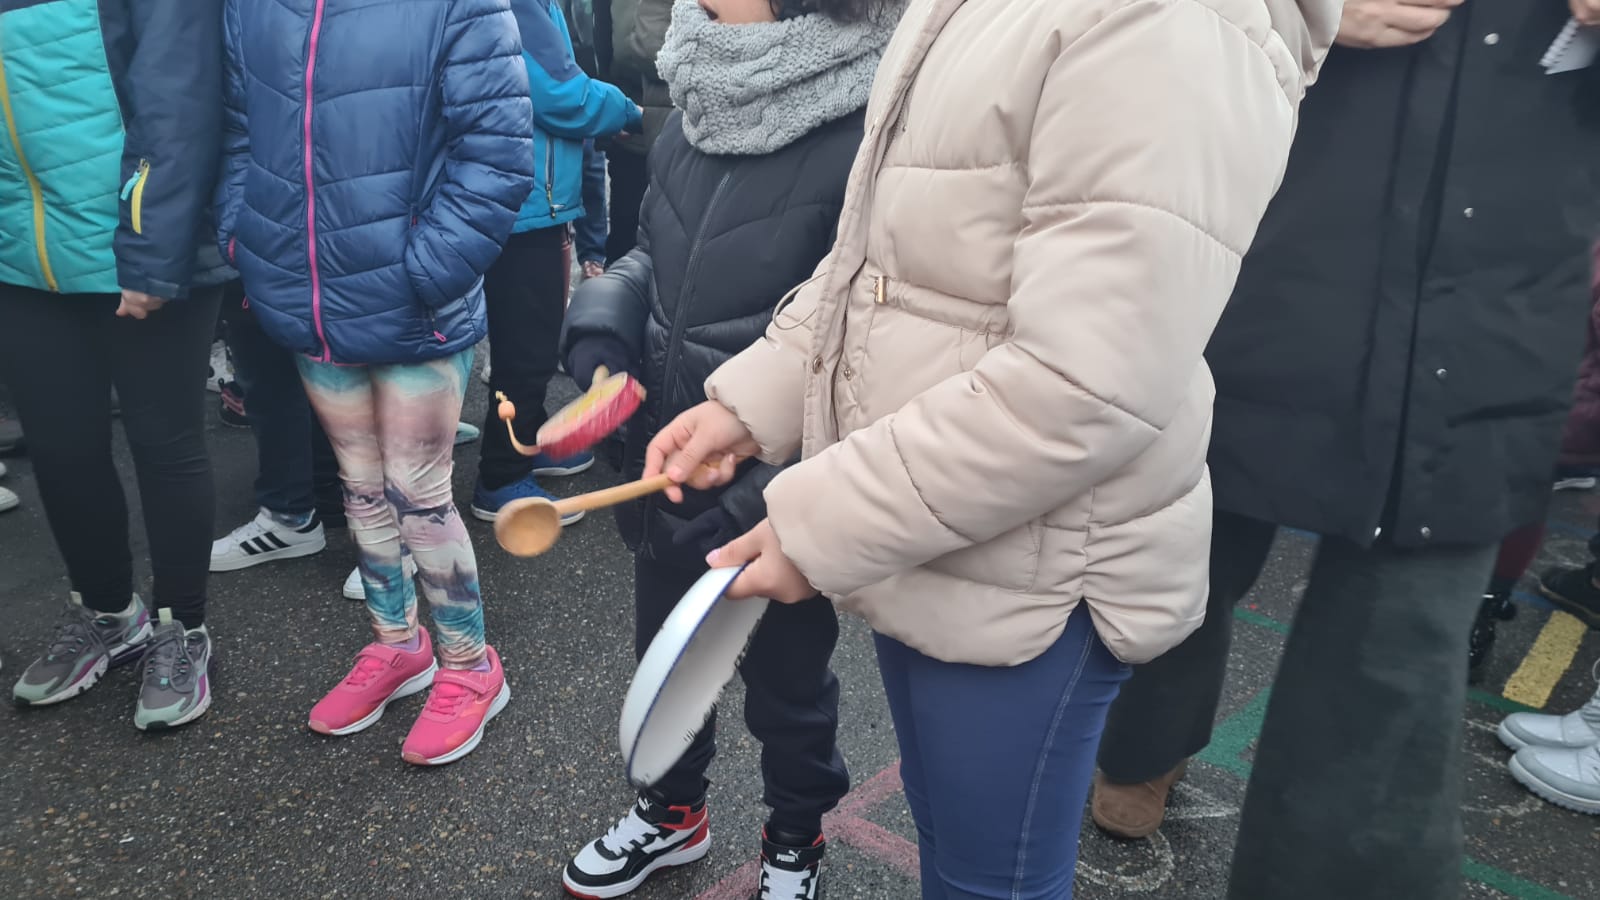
589, 232
997, 762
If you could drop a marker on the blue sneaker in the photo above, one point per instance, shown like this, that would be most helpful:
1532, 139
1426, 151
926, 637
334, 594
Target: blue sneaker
486, 504
558, 468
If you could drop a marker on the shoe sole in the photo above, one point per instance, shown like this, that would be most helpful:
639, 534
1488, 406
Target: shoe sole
293, 551
687, 855
485, 515
564, 471
198, 711
416, 684
1587, 615
471, 743
1559, 798
116, 656
1510, 738
1575, 484
9, 502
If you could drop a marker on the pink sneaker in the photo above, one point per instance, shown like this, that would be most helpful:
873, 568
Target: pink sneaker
461, 703
383, 674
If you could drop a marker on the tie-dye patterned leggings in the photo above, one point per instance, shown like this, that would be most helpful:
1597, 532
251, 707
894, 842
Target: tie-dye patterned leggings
393, 430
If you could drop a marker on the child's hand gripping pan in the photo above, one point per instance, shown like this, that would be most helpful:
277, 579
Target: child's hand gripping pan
584, 422
690, 661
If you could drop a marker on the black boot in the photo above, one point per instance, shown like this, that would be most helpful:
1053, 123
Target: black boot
1496, 607
1573, 590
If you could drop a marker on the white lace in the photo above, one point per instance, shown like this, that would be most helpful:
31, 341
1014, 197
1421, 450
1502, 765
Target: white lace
630, 833
783, 884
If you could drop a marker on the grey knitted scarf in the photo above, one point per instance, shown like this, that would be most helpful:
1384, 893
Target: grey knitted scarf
752, 89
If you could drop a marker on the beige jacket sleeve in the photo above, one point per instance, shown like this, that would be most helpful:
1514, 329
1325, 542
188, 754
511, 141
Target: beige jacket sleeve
765, 385
1160, 135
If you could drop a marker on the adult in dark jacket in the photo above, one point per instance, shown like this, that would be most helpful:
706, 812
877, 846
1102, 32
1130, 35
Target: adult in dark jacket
637, 30
1392, 373
113, 120
376, 159
745, 190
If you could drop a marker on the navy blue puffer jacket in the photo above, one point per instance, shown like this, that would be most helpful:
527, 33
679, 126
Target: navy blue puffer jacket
376, 154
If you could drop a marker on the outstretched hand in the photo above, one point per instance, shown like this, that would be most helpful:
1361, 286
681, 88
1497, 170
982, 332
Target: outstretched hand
769, 573
703, 433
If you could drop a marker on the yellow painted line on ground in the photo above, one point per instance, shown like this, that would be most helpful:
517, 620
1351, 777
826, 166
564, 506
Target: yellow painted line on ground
1547, 660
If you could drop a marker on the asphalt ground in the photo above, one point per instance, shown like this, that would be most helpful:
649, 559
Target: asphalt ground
248, 803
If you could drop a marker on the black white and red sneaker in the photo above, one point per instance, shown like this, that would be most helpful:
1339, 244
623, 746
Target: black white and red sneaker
651, 836
790, 869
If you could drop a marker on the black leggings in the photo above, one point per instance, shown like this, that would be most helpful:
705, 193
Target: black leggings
63, 355
526, 295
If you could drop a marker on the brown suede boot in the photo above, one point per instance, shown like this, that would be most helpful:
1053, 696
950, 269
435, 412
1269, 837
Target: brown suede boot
1132, 811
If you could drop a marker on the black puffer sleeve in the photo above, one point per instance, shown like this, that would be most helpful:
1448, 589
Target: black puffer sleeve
616, 304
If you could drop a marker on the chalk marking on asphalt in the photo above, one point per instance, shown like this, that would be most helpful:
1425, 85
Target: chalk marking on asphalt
880, 843
1507, 883
1163, 866
1547, 660
871, 792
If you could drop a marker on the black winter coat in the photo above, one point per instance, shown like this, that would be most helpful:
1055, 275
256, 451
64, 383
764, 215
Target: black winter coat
1400, 351
721, 240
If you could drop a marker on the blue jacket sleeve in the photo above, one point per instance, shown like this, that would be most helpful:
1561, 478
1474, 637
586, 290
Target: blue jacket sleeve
488, 166
566, 102
235, 134
173, 124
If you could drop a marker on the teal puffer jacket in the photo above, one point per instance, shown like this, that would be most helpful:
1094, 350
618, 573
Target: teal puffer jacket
99, 194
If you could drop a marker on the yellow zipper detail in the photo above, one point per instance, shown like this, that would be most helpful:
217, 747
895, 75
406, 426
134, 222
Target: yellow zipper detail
138, 195
33, 182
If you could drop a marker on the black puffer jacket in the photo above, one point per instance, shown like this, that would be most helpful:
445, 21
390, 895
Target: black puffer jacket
1402, 343
721, 240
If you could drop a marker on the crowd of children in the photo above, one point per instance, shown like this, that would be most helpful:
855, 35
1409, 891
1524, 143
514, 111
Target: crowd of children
939, 287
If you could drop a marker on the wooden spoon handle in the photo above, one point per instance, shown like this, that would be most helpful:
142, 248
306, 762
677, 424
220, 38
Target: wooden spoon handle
611, 496
622, 493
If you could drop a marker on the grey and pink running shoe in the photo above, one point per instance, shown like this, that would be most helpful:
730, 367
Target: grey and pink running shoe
86, 644
175, 688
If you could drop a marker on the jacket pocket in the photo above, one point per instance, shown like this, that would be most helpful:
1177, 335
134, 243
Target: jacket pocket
902, 353
133, 195
550, 175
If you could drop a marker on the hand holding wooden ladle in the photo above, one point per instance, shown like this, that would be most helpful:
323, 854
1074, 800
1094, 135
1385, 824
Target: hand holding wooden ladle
532, 525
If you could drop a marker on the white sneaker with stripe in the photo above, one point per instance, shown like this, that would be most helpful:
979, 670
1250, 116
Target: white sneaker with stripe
263, 540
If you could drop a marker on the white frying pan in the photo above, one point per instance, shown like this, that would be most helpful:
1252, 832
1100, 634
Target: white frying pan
687, 665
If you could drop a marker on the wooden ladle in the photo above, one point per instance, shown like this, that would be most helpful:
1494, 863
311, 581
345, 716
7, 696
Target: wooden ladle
532, 525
